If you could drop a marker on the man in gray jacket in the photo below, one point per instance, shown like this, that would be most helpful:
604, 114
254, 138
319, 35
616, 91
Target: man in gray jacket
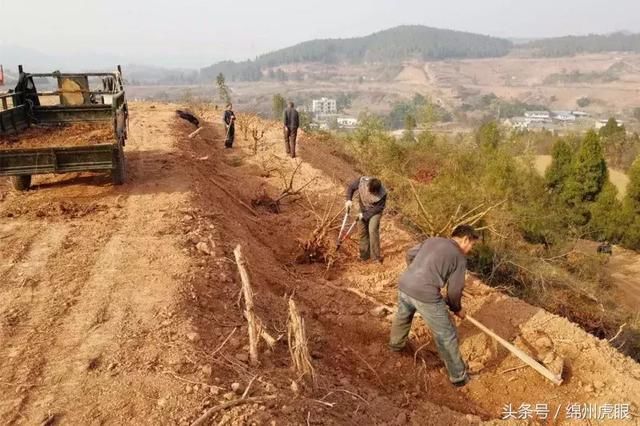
373, 199
434, 264
291, 123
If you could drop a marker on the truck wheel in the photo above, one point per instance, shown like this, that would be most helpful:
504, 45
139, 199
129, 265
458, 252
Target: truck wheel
21, 183
119, 174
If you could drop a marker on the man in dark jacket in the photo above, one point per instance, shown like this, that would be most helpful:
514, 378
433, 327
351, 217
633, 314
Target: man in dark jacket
434, 264
291, 124
373, 199
229, 120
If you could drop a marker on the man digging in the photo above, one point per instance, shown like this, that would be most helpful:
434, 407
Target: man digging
373, 199
434, 264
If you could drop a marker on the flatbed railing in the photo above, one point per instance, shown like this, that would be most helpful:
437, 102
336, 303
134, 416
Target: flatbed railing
7, 100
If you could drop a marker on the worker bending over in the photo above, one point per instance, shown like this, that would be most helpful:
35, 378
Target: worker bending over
434, 264
373, 199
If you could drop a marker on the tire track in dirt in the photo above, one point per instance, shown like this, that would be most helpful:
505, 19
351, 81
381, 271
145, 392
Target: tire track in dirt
15, 243
47, 242
78, 344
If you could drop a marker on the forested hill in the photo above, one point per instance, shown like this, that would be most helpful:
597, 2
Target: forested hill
392, 45
389, 46
593, 43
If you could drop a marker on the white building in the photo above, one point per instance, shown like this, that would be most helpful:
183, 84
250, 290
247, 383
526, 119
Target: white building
324, 106
347, 121
564, 116
538, 116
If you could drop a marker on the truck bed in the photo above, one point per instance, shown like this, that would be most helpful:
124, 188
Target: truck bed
60, 136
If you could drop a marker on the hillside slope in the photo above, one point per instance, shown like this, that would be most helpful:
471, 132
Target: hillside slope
120, 305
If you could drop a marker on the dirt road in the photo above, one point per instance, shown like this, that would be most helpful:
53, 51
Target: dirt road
89, 273
119, 304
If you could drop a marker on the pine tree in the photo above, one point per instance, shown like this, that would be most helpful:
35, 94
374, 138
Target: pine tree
278, 104
488, 136
607, 217
611, 128
558, 172
588, 172
223, 89
632, 198
631, 209
409, 122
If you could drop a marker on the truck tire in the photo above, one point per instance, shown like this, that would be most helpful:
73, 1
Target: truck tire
22, 182
119, 174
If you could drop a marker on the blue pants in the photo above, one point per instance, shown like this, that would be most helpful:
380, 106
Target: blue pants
436, 315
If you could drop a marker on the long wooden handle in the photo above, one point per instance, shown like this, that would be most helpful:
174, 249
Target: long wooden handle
195, 132
517, 352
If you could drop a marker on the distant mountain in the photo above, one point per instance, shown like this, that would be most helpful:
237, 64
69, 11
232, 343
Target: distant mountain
12, 56
149, 75
390, 46
36, 61
518, 41
592, 43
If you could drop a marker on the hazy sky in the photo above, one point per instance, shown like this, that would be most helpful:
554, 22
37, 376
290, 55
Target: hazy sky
198, 32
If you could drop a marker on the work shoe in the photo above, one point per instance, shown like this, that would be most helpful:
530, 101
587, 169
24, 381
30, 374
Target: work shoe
396, 349
462, 382
408, 347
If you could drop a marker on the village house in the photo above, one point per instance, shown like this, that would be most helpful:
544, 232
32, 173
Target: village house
324, 106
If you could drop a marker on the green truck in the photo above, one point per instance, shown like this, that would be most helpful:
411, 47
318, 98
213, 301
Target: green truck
71, 101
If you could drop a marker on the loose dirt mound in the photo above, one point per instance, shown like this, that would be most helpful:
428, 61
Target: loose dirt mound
76, 134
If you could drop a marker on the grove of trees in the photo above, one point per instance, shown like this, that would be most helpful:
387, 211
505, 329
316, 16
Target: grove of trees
420, 109
593, 43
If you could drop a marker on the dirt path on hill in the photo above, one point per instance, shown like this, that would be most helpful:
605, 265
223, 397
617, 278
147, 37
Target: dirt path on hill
118, 305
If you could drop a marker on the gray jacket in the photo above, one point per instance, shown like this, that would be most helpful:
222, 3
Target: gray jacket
432, 265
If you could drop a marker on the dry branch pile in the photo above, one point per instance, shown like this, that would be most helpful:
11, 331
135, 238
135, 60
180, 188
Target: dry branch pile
320, 246
288, 189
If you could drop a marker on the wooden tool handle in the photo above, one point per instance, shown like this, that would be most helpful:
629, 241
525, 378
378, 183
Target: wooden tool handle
518, 352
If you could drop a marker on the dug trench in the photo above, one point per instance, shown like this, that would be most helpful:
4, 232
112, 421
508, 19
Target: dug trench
359, 380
